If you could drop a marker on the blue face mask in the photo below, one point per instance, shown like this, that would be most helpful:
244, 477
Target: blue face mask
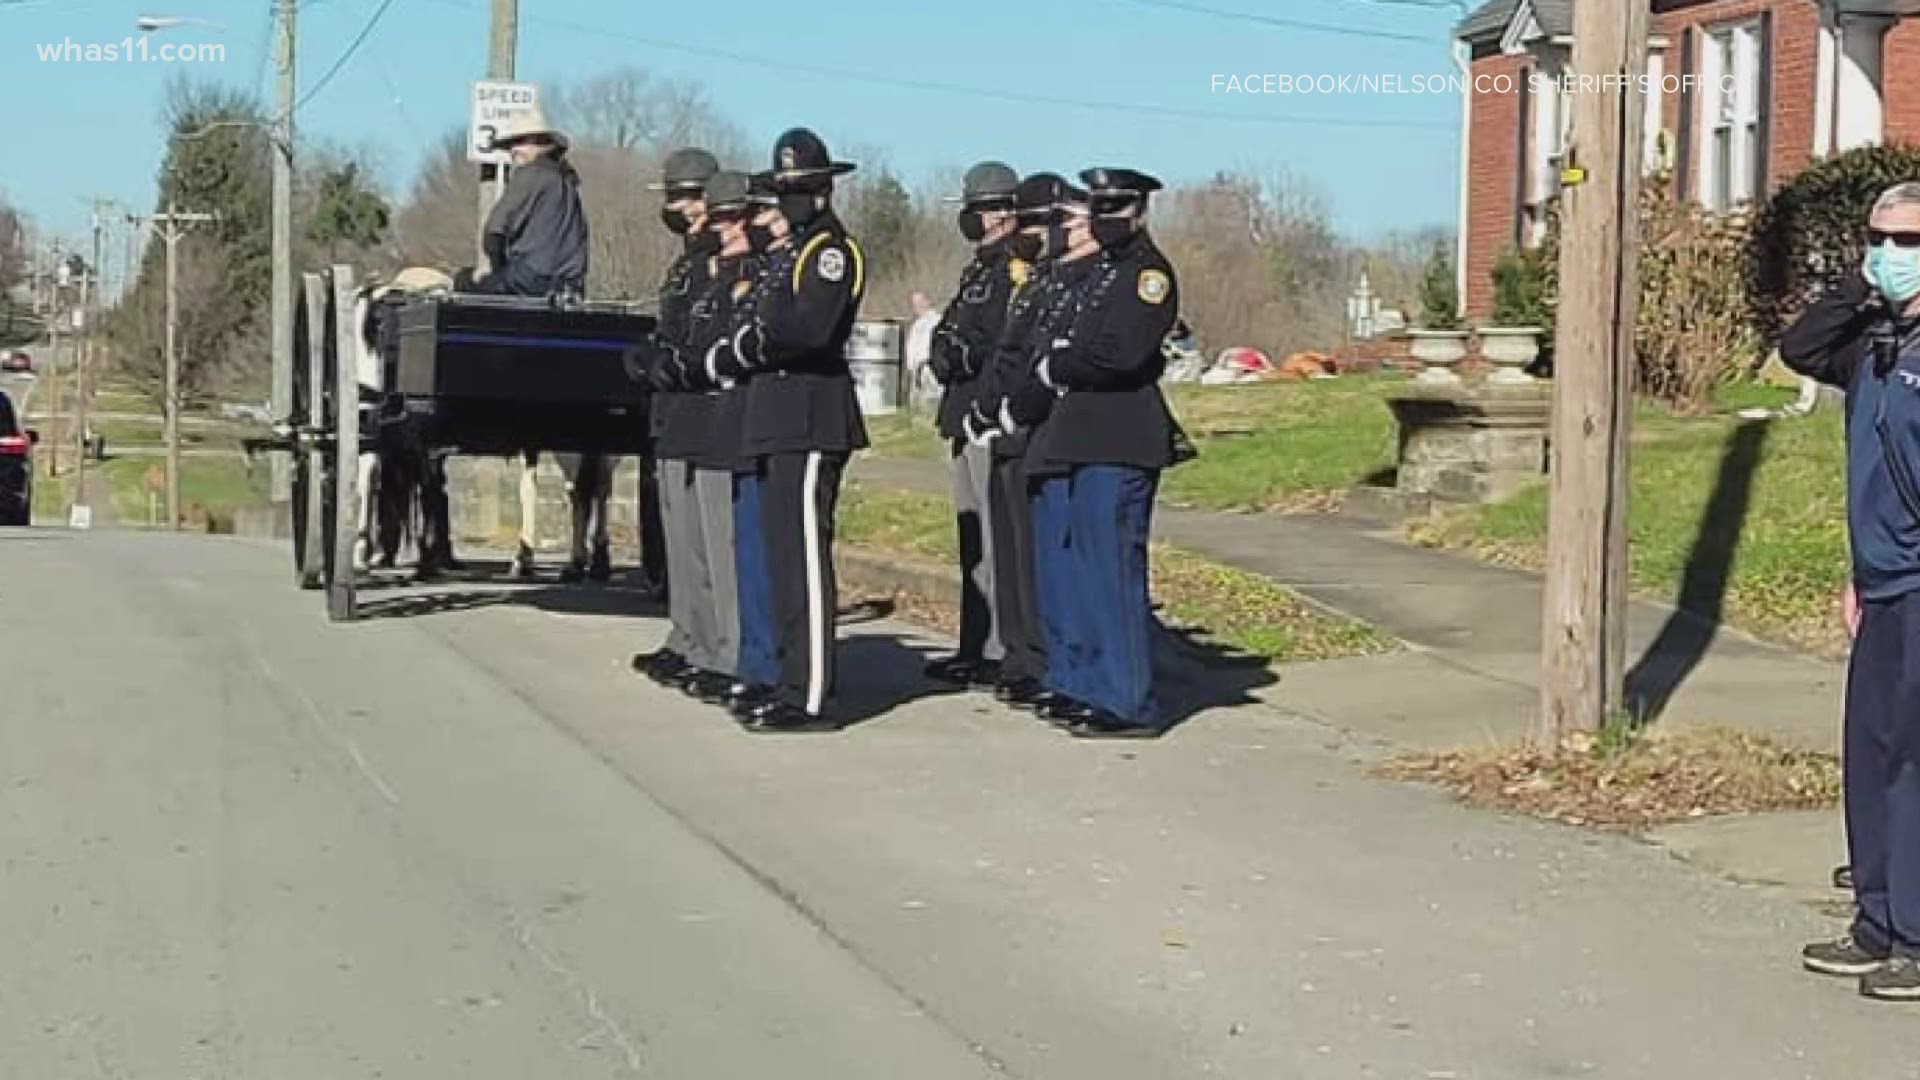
1895, 271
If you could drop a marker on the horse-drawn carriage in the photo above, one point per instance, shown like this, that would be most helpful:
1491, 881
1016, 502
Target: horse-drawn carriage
465, 374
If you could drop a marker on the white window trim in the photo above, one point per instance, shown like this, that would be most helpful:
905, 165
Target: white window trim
1740, 119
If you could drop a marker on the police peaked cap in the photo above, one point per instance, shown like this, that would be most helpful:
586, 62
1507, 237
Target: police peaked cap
1119, 183
686, 172
761, 190
799, 156
727, 192
990, 184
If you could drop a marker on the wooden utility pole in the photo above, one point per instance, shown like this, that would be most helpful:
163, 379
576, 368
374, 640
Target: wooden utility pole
281, 302
54, 270
502, 44
171, 226
82, 389
1583, 644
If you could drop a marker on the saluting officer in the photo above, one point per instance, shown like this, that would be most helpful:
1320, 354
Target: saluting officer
701, 638
1038, 202
962, 348
1111, 433
802, 420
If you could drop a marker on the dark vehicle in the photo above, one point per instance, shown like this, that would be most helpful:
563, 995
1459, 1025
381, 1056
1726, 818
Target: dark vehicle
16, 467
15, 360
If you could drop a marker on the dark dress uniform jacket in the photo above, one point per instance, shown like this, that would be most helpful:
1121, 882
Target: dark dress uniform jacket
672, 352
1015, 350
969, 330
536, 235
715, 443
1107, 365
800, 394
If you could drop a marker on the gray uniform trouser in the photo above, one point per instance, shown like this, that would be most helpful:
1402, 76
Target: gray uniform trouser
972, 486
703, 598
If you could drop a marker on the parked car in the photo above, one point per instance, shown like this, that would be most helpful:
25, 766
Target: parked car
16, 466
15, 360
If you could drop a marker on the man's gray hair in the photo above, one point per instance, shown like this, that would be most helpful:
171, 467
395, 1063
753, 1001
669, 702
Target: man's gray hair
1902, 194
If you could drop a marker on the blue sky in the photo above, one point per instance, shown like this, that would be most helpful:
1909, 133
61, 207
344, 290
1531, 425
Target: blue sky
1383, 160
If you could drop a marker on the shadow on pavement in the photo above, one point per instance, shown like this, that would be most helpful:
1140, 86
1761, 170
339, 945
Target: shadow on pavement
1683, 642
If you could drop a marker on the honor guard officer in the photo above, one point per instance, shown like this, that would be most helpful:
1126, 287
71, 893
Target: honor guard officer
1112, 433
1038, 206
802, 421
962, 346
700, 639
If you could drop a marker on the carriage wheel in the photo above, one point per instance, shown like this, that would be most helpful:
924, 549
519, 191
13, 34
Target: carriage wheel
313, 332
343, 508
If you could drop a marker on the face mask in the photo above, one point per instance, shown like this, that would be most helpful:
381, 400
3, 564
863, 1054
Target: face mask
1056, 239
676, 221
971, 226
759, 237
1895, 272
1112, 231
798, 208
1025, 247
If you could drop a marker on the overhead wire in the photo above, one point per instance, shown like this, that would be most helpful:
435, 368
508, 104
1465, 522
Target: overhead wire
353, 46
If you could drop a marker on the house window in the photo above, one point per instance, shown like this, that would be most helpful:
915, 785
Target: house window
1730, 101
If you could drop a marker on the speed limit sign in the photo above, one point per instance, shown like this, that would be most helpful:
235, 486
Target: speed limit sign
494, 103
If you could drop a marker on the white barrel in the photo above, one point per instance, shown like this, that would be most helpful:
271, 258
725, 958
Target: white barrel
874, 356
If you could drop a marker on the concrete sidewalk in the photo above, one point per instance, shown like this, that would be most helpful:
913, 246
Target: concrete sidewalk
1471, 670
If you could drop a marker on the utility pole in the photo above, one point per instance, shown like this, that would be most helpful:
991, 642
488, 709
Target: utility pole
171, 226
91, 356
282, 300
1583, 642
57, 267
502, 43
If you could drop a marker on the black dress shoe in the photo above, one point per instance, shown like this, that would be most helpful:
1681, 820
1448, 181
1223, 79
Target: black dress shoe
1843, 878
1063, 711
955, 670
661, 665
1097, 723
1019, 693
601, 568
985, 675
743, 698
709, 686
573, 573
780, 717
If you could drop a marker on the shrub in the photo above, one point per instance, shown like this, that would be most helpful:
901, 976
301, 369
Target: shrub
1520, 289
1812, 231
1695, 328
1439, 292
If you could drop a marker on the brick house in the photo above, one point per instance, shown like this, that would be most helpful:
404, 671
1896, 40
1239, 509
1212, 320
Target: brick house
1778, 84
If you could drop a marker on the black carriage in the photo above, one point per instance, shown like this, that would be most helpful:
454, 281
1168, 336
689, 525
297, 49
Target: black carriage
468, 374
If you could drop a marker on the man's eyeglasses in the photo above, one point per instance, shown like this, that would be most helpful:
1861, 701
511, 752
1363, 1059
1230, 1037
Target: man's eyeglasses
1898, 238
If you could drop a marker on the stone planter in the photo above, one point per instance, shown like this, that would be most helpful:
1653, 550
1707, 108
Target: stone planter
1477, 444
1438, 352
1510, 349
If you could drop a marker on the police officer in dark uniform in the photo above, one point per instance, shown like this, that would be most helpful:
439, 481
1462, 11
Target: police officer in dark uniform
699, 640
1110, 432
962, 348
801, 421
1038, 205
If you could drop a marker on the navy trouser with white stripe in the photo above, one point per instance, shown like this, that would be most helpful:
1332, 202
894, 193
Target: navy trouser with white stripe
1882, 774
758, 663
799, 493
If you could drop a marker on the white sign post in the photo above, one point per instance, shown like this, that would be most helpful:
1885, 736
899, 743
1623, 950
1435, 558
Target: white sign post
495, 103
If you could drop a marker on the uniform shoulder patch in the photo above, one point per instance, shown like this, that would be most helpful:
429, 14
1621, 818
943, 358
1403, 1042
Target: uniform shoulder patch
1153, 286
833, 264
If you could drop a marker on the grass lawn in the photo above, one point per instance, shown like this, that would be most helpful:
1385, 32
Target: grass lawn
1274, 446
1243, 611
1739, 520
216, 485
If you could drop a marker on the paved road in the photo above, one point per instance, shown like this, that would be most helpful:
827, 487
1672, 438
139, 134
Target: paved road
458, 840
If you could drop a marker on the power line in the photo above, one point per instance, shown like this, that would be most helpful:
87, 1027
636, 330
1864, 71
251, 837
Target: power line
1290, 24
932, 86
352, 47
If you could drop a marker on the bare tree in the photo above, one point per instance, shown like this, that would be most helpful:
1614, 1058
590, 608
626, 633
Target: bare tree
215, 353
436, 226
630, 109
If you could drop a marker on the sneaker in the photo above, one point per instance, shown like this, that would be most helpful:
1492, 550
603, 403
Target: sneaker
1896, 980
1843, 957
